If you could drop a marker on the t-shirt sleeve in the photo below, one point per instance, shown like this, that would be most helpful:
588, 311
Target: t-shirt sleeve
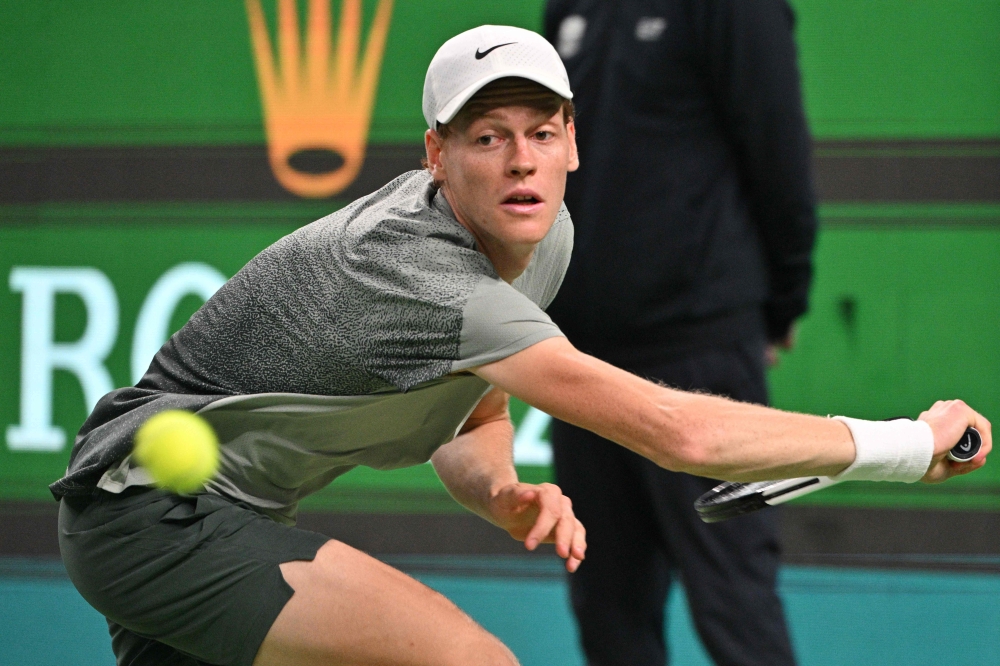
498, 321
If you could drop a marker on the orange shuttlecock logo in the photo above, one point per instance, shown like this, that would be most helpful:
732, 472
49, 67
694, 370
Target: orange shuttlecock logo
317, 101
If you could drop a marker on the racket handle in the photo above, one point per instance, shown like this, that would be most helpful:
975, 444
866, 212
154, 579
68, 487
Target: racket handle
968, 447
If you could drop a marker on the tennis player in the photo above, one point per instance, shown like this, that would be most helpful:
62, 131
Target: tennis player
386, 334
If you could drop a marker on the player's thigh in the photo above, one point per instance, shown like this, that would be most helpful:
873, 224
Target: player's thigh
349, 608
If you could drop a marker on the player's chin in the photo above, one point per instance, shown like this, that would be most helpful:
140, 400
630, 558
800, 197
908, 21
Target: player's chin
528, 229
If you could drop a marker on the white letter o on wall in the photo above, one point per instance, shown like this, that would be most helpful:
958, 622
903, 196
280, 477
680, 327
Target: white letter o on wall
154, 317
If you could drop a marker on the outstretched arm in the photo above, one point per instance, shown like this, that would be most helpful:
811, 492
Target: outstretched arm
702, 434
477, 467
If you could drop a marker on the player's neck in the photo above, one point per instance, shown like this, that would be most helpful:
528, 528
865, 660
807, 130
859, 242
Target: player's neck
508, 262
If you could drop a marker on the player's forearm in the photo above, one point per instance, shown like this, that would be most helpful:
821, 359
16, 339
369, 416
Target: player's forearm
681, 431
714, 437
721, 438
476, 464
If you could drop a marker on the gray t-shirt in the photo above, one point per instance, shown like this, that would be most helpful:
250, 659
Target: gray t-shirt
344, 344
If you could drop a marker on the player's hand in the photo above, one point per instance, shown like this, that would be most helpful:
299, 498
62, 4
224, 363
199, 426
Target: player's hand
538, 514
949, 419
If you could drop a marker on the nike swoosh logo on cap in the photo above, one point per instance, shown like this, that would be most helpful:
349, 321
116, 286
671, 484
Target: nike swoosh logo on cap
480, 56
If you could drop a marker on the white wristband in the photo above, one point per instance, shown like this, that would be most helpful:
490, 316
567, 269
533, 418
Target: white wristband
898, 450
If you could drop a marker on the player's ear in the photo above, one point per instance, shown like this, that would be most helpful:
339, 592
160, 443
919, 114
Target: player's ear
574, 156
434, 144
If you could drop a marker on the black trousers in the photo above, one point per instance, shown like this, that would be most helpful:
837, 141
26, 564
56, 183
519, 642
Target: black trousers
642, 531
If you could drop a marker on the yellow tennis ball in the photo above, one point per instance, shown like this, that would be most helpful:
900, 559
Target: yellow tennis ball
179, 449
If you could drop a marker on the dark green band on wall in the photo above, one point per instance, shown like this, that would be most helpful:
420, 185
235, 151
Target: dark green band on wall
172, 173
917, 171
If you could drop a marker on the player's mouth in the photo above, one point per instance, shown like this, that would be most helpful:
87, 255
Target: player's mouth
524, 202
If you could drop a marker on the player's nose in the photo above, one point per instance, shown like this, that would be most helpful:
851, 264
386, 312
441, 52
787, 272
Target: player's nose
522, 160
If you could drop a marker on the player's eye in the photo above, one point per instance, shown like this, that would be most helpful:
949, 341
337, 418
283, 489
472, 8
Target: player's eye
544, 135
486, 140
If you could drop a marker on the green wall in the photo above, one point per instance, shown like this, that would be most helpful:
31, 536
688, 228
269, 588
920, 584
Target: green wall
133, 257
106, 72
900, 68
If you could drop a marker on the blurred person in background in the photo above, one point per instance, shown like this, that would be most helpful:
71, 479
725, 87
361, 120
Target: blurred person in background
695, 218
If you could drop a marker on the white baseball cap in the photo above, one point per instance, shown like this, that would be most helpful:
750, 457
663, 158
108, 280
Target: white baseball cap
470, 60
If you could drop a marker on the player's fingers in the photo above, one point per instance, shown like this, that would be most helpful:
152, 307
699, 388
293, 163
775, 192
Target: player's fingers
943, 468
949, 419
985, 429
973, 418
579, 549
549, 511
971, 466
565, 528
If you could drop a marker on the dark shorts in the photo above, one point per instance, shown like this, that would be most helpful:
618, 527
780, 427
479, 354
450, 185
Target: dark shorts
181, 580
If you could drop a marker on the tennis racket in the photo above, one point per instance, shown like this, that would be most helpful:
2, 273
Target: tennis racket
731, 499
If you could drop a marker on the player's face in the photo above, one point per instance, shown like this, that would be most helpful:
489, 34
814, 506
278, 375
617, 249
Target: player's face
505, 174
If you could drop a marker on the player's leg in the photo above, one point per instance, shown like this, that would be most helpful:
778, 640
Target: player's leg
199, 580
349, 608
619, 592
729, 569
179, 577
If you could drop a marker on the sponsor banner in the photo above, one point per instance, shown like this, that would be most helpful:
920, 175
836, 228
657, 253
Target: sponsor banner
82, 308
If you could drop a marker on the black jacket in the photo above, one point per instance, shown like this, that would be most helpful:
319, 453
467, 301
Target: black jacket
694, 199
